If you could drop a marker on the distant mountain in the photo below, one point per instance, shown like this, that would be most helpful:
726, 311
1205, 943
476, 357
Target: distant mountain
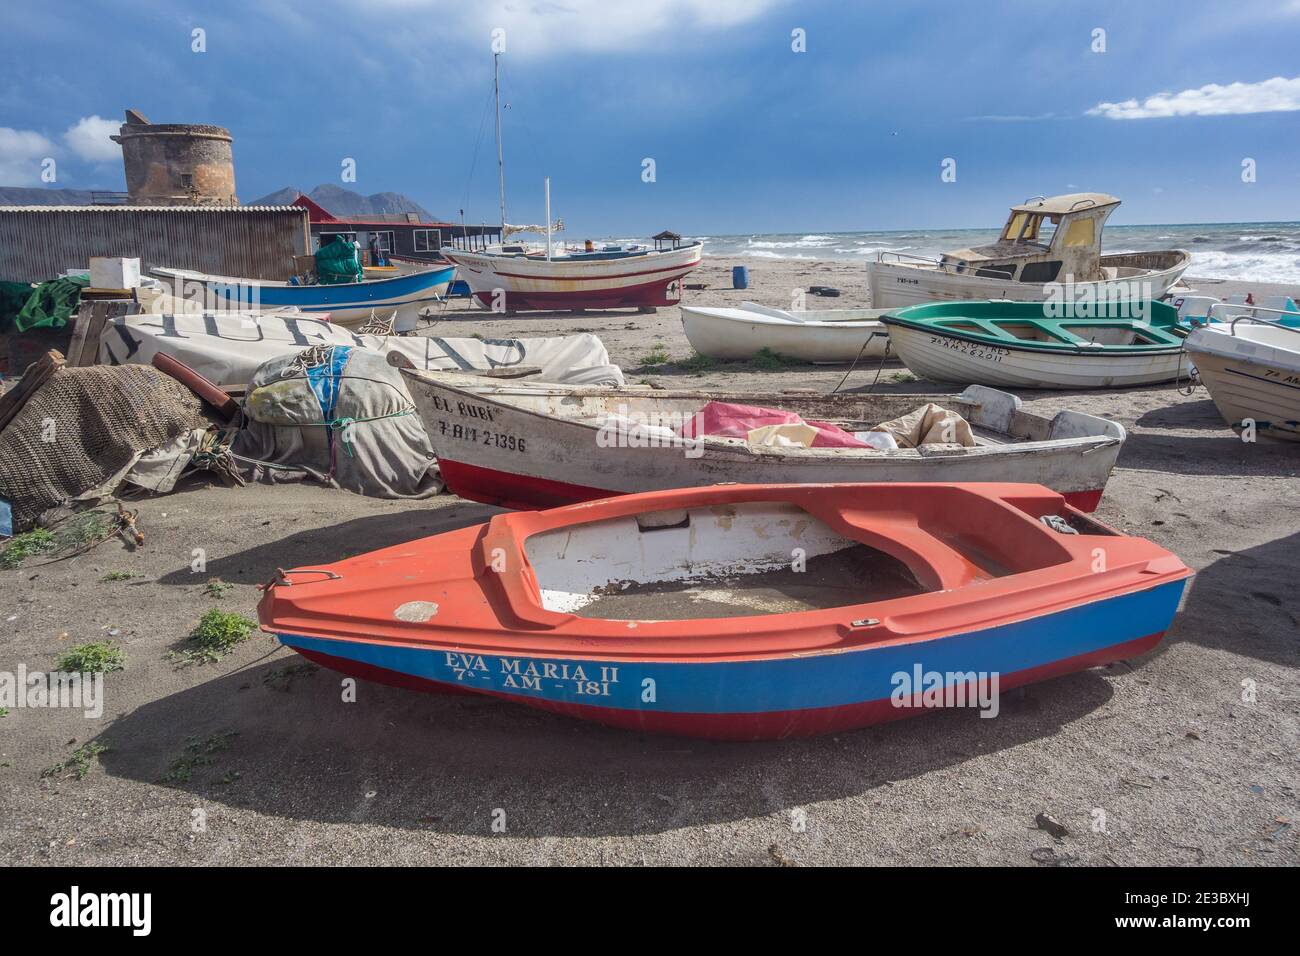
349, 204
339, 201
36, 196
281, 197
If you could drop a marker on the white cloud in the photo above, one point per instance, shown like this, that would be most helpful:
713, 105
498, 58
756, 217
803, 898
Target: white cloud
537, 28
89, 139
21, 153
1278, 95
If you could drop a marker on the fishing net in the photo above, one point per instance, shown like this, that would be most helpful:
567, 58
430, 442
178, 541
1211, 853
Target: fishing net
82, 432
337, 262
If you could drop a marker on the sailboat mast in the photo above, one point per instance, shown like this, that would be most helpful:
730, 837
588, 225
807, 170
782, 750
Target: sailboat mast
501, 164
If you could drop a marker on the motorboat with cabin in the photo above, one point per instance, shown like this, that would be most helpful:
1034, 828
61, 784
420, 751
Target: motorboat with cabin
1046, 244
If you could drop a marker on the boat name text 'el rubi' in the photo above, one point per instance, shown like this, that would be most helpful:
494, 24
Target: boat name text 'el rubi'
464, 409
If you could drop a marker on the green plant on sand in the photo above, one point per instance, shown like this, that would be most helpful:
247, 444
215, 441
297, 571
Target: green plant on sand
215, 636
95, 657
78, 761
658, 355
26, 545
768, 360
217, 588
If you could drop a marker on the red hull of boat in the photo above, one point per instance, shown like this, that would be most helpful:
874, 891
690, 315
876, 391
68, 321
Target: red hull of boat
649, 295
527, 492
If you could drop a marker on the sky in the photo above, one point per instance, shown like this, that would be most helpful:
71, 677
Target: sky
757, 115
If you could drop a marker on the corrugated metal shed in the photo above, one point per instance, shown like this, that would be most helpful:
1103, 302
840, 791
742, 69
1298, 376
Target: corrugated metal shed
255, 242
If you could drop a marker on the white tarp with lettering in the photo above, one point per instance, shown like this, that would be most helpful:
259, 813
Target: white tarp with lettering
227, 348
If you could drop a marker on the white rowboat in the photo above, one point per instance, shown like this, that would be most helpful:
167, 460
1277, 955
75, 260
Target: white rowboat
828, 336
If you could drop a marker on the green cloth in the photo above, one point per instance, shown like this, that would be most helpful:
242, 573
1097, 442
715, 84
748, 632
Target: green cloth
51, 304
13, 296
337, 263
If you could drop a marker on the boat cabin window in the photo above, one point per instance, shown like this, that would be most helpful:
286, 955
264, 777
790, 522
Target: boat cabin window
1040, 271
1030, 227
1001, 270
1081, 233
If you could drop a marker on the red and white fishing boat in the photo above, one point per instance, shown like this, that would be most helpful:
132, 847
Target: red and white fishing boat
535, 446
513, 278
743, 611
614, 278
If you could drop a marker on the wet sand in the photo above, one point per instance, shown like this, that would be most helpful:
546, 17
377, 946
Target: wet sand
1184, 756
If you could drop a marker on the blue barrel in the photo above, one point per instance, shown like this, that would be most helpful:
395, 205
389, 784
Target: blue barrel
739, 277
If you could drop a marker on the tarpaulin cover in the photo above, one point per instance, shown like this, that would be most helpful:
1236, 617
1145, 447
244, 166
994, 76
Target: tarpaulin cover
346, 420
929, 425
337, 262
728, 420
13, 296
51, 304
227, 348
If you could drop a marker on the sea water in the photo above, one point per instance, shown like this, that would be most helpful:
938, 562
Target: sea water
1246, 251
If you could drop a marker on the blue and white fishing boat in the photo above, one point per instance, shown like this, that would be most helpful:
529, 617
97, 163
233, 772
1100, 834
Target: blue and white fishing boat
351, 303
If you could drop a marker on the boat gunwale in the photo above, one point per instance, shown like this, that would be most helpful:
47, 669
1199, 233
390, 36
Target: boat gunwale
1038, 348
168, 272
1019, 597
758, 318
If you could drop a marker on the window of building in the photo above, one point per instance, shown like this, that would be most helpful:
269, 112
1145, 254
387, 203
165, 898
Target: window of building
427, 240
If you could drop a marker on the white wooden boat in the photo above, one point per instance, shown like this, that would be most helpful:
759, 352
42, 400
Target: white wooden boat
510, 278
827, 336
531, 446
1252, 370
512, 282
1025, 345
1046, 243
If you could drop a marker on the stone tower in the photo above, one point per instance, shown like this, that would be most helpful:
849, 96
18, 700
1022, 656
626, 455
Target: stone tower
176, 164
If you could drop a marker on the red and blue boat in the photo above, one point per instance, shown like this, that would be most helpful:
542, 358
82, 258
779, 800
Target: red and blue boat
743, 611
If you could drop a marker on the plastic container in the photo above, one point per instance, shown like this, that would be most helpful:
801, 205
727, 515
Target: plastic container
740, 277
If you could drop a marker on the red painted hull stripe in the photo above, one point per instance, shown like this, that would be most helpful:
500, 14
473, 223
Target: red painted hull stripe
528, 492
683, 268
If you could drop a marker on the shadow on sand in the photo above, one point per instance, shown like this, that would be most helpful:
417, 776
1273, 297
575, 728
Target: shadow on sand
315, 546
443, 763
1259, 618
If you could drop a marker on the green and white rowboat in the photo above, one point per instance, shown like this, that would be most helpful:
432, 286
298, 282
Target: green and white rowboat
1040, 344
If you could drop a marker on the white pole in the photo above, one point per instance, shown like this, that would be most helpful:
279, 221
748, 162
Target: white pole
501, 163
548, 218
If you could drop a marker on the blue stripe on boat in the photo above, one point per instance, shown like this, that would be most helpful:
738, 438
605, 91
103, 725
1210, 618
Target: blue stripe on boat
325, 297
795, 683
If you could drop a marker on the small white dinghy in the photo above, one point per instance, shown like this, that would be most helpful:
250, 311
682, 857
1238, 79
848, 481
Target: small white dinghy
823, 337
1252, 369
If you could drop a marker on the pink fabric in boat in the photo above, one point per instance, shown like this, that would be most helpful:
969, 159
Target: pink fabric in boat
728, 420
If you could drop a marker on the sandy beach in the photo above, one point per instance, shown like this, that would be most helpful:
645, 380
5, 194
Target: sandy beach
1184, 756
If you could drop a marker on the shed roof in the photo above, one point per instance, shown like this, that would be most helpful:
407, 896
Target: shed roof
1070, 202
121, 209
